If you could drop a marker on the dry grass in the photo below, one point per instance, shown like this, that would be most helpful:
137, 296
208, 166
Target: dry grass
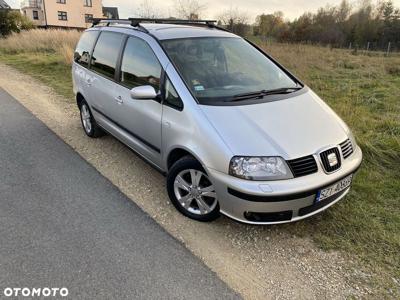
59, 41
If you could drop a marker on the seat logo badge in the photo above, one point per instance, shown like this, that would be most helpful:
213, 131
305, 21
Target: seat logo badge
332, 159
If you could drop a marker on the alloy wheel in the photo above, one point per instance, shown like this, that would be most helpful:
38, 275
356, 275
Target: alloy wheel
86, 118
195, 192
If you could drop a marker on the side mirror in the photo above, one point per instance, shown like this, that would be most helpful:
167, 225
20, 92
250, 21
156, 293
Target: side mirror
144, 92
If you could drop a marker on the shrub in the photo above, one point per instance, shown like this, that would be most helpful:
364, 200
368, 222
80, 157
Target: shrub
13, 21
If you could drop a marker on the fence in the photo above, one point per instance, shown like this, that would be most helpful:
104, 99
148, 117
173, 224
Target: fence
387, 48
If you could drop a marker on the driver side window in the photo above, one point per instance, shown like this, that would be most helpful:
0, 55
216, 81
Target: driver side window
140, 65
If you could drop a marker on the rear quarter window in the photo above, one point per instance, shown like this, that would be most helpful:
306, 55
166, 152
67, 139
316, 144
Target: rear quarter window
106, 53
84, 47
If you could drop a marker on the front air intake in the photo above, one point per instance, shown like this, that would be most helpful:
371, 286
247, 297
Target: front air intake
303, 166
347, 148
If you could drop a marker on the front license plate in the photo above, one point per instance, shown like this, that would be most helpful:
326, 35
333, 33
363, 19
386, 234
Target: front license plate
334, 188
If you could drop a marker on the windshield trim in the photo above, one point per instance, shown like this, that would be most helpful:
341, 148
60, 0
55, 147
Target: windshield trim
267, 98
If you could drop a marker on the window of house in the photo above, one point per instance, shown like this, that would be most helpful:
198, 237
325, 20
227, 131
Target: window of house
61, 1
88, 18
35, 15
106, 52
87, 3
84, 47
140, 65
171, 96
62, 16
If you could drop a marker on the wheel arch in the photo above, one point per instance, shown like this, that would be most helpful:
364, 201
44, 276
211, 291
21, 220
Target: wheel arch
177, 153
79, 99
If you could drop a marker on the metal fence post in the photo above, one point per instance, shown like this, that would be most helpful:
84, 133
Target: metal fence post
388, 49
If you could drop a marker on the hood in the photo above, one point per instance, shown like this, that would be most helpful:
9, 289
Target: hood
298, 126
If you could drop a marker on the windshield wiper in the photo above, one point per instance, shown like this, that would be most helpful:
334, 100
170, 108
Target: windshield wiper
262, 93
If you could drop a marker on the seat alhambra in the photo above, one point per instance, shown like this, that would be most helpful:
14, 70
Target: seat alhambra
234, 132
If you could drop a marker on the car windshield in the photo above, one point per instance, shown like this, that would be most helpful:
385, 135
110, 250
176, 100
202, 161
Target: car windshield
226, 69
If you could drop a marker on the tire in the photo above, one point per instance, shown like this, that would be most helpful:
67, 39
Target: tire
191, 191
89, 124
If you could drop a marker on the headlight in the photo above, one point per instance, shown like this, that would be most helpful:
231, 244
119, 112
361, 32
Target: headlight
259, 168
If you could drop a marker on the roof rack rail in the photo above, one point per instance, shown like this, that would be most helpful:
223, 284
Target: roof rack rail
97, 21
135, 22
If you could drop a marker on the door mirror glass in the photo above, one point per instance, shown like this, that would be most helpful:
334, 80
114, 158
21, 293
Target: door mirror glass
144, 92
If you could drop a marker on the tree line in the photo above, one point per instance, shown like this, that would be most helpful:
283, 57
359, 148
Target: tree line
366, 26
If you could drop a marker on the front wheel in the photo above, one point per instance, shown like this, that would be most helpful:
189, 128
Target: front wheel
191, 191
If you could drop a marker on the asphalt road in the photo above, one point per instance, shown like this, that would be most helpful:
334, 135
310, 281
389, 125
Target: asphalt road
62, 224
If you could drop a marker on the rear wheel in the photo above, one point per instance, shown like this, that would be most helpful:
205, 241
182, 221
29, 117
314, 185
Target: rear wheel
88, 122
191, 190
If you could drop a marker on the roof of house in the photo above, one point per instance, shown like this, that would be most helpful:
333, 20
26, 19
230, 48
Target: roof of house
3, 4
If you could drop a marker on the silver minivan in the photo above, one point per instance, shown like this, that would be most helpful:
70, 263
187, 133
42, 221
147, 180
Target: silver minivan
234, 131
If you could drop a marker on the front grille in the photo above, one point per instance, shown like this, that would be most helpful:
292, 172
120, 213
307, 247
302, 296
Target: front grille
328, 166
303, 166
347, 148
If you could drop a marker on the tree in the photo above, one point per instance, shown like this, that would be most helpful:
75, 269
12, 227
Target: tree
147, 9
301, 28
389, 29
13, 21
189, 9
271, 25
234, 20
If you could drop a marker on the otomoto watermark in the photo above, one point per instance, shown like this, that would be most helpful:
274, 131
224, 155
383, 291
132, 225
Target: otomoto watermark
35, 292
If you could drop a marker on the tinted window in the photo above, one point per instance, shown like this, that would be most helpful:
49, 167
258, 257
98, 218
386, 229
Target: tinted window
139, 65
171, 96
84, 47
105, 54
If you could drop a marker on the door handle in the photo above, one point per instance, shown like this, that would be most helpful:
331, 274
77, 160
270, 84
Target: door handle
119, 100
89, 82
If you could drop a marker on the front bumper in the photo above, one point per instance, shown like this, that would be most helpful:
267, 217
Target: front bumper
281, 201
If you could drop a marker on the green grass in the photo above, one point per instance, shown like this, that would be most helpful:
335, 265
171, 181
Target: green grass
365, 91
48, 67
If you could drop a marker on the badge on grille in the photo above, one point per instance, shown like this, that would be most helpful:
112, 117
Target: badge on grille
332, 159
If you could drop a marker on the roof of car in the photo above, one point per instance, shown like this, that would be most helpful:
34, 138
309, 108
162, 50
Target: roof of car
177, 31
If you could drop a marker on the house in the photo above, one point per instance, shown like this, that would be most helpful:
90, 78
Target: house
110, 12
4, 5
62, 13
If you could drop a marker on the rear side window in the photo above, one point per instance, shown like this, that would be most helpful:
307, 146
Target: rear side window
140, 65
84, 47
106, 52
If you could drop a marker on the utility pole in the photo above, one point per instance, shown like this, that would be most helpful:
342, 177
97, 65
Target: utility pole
45, 14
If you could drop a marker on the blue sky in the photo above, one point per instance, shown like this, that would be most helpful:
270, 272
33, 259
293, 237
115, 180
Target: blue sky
290, 8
